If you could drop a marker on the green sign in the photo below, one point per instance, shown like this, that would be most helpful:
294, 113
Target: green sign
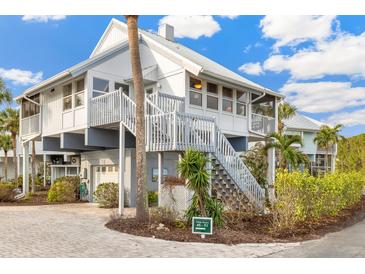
202, 225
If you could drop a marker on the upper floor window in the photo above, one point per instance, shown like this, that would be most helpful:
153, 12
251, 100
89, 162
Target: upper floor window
100, 87
29, 108
212, 96
124, 87
79, 95
195, 94
227, 101
241, 99
67, 96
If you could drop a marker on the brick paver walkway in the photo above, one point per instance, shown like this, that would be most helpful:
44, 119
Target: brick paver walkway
78, 230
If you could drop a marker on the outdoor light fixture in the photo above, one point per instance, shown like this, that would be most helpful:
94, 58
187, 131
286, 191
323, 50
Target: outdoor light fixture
198, 85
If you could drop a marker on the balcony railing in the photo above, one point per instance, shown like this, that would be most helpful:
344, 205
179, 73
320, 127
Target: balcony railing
30, 125
262, 124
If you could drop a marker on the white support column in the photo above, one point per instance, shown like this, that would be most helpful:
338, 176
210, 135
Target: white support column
44, 169
333, 158
25, 167
160, 175
121, 167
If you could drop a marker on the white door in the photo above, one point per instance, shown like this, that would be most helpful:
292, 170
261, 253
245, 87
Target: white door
105, 174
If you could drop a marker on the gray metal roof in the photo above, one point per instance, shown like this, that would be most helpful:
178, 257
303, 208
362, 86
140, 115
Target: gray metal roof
302, 122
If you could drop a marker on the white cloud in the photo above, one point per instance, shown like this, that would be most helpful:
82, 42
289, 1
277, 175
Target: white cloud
292, 30
21, 77
354, 118
232, 17
323, 96
43, 18
192, 26
251, 68
345, 55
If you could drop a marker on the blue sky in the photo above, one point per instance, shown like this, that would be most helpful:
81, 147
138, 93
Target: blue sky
318, 62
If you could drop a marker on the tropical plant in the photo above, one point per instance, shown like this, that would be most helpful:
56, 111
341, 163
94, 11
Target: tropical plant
192, 167
287, 153
256, 161
9, 122
351, 154
133, 39
286, 111
327, 137
5, 145
5, 93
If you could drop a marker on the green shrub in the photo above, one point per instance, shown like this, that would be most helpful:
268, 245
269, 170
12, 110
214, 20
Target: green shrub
64, 189
106, 195
301, 197
163, 215
152, 198
7, 192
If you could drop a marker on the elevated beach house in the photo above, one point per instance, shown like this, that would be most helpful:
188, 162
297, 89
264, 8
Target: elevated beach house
191, 102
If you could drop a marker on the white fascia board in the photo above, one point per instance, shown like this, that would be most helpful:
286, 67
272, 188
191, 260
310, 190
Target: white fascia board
105, 34
190, 66
44, 83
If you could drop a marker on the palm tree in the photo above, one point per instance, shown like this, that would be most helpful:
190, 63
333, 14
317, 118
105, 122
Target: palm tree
5, 93
327, 137
141, 206
192, 167
5, 145
286, 111
9, 121
287, 153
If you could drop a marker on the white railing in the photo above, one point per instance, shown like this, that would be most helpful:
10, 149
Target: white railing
178, 131
262, 124
105, 109
30, 125
237, 170
167, 102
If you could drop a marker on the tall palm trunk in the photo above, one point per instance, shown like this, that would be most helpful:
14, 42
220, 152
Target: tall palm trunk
141, 206
15, 158
33, 166
6, 165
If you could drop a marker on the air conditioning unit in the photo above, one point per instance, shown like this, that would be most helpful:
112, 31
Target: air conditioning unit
75, 160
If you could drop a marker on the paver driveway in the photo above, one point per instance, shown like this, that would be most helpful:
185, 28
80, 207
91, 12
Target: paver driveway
78, 230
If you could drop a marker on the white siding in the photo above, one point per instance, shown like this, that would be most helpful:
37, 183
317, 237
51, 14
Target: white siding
114, 36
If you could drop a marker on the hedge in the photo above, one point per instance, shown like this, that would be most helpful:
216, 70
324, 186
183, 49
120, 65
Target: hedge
106, 195
300, 197
64, 189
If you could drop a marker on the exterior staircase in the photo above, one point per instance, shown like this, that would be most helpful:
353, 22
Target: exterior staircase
169, 129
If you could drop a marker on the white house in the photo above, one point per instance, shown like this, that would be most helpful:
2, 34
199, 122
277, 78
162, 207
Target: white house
191, 101
307, 128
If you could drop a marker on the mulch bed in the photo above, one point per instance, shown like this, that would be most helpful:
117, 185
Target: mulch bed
38, 198
256, 229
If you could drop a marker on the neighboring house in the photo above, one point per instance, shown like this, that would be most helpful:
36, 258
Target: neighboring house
307, 129
191, 101
51, 159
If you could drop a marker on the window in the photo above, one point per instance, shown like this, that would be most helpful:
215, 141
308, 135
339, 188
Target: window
212, 88
124, 87
79, 95
227, 92
67, 96
100, 87
195, 98
195, 95
110, 168
212, 102
241, 99
29, 108
196, 84
212, 96
227, 101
